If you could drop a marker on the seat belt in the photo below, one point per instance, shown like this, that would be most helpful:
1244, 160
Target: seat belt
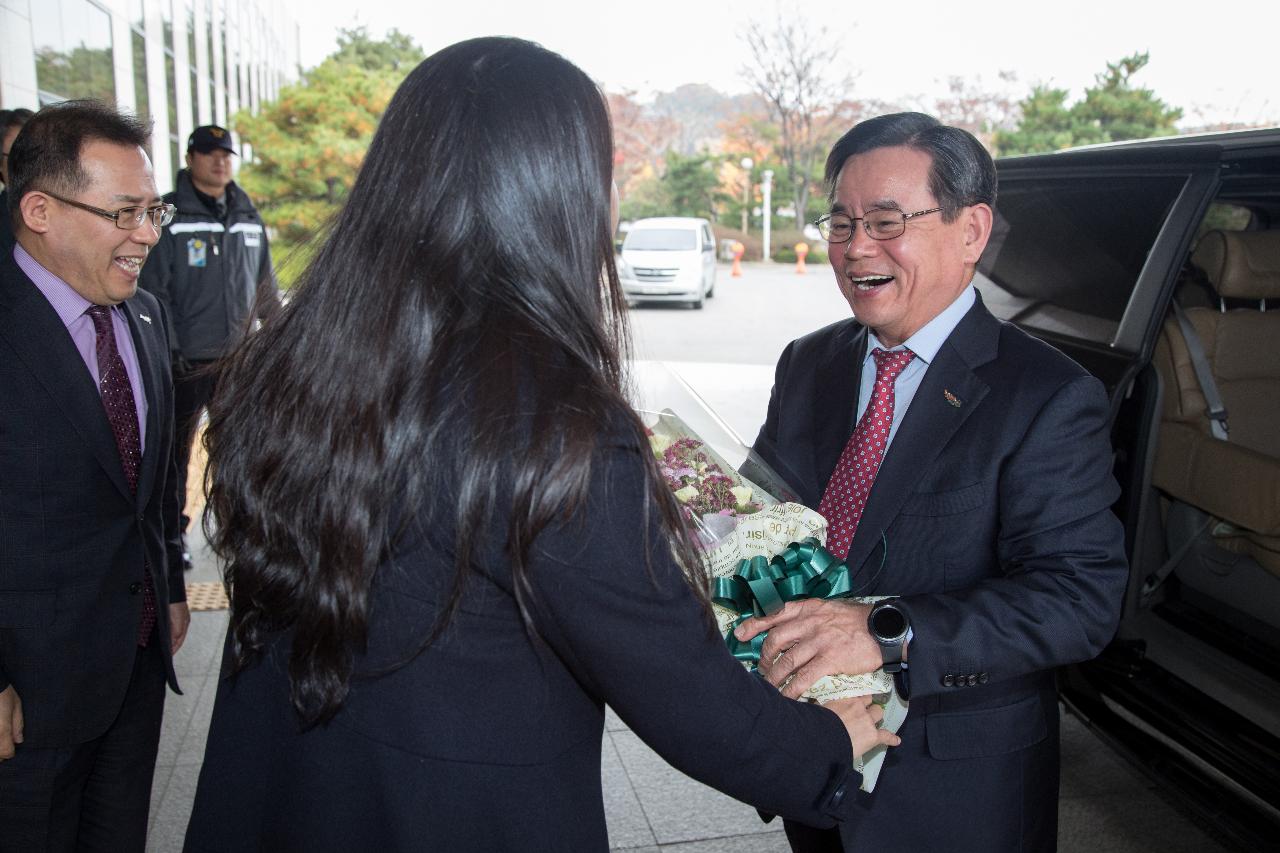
1216, 411
1160, 575
1217, 426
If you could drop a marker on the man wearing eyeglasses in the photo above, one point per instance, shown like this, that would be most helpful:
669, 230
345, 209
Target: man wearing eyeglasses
92, 603
212, 272
962, 466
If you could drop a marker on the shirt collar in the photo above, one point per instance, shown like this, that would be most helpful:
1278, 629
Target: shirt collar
216, 204
69, 304
929, 339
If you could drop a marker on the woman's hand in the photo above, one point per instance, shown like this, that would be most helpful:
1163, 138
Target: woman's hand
861, 718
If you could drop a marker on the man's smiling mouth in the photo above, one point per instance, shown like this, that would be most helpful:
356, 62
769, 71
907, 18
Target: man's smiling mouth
866, 283
131, 264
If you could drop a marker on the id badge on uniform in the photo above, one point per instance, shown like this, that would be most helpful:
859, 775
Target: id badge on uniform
197, 252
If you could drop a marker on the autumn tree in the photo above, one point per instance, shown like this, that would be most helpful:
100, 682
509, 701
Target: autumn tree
748, 135
687, 186
970, 105
309, 144
640, 140
793, 72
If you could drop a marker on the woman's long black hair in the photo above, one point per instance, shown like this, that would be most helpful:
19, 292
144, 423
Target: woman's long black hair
465, 310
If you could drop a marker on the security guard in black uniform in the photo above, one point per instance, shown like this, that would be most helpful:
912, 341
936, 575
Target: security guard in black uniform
212, 272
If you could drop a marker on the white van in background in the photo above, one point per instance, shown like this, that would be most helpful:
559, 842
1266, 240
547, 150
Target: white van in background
671, 259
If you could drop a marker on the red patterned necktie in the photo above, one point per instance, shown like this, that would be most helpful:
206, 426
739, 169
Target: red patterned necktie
846, 495
122, 412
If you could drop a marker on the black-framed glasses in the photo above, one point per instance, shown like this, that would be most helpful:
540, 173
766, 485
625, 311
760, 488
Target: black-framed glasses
127, 218
880, 224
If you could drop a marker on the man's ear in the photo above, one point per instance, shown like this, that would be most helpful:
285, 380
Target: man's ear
36, 212
977, 219
188, 159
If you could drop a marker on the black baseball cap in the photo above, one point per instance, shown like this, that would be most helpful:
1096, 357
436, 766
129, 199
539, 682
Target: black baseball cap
207, 137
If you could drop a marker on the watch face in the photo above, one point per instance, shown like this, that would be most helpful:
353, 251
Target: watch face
888, 623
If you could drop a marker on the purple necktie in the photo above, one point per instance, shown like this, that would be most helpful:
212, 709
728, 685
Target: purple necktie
122, 412
846, 495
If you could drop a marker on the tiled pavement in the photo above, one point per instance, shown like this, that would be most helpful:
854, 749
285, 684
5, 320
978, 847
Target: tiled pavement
1105, 807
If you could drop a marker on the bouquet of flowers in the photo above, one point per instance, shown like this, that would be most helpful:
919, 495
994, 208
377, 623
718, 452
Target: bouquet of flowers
708, 488
759, 553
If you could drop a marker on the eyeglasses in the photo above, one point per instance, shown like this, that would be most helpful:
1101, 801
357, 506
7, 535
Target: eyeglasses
128, 218
880, 224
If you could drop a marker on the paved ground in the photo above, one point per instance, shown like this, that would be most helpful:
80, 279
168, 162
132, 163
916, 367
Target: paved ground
726, 353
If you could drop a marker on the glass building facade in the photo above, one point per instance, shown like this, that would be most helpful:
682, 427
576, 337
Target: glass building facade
179, 63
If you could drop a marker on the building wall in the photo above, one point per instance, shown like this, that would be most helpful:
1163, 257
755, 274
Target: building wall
180, 63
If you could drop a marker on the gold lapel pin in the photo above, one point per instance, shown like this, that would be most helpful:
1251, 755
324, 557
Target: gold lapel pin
951, 398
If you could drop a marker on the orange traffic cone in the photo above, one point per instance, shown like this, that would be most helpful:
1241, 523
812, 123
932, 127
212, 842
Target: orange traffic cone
738, 249
802, 249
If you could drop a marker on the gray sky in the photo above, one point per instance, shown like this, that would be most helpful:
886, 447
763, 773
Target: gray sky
1215, 65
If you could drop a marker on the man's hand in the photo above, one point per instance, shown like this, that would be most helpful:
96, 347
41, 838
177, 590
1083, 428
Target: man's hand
813, 638
861, 718
179, 621
10, 722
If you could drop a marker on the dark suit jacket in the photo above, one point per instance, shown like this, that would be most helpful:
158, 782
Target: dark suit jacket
992, 520
73, 540
490, 740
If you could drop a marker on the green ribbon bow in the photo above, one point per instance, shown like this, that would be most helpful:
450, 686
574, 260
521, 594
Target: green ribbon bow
760, 587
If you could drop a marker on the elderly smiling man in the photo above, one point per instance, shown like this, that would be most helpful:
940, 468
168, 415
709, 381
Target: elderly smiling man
964, 467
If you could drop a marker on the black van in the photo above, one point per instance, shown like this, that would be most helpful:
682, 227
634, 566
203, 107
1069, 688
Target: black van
1152, 264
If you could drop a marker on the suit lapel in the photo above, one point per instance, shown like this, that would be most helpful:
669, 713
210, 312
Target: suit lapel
33, 329
148, 366
928, 425
836, 407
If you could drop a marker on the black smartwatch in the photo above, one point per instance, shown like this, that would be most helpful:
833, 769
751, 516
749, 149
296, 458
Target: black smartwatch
889, 626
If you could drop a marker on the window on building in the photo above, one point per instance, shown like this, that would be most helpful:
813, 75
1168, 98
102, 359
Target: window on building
213, 65
73, 51
138, 43
170, 76
193, 79
191, 33
228, 67
142, 104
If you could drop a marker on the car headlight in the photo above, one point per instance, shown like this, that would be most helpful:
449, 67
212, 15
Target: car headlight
624, 269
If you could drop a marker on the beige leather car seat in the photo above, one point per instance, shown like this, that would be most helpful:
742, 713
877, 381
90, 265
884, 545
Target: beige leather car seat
1236, 481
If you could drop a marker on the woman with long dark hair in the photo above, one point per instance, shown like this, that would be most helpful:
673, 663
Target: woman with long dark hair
445, 538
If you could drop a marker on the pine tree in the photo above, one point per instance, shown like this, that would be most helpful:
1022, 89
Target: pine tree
1113, 109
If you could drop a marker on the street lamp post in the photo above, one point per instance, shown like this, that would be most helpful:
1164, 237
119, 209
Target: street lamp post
766, 188
747, 163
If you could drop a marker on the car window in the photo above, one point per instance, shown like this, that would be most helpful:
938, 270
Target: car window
662, 239
1065, 253
708, 243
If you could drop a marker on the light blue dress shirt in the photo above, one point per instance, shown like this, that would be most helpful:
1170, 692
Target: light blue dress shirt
925, 344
